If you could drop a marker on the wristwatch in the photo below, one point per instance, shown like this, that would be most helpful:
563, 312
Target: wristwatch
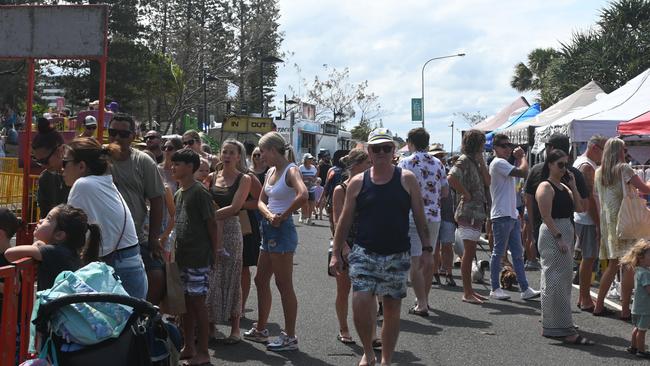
558, 236
427, 249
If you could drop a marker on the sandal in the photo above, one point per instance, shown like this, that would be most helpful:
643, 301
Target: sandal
422, 313
643, 354
345, 339
632, 350
376, 344
231, 340
604, 312
579, 341
450, 281
436, 279
588, 310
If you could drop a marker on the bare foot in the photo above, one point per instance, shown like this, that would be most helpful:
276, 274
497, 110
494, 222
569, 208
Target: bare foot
199, 359
364, 361
472, 300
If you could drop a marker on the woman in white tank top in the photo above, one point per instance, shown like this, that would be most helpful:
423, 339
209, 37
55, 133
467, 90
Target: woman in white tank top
283, 193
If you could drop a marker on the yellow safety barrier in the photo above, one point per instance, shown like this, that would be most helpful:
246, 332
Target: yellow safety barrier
11, 192
9, 165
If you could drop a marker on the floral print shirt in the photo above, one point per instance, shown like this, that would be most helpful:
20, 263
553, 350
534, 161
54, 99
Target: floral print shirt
431, 175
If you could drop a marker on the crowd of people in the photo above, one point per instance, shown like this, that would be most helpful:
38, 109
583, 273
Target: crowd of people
218, 215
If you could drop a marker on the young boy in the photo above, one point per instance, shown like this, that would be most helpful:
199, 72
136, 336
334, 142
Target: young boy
197, 246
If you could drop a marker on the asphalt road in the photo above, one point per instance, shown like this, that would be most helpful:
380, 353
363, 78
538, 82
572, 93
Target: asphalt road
456, 333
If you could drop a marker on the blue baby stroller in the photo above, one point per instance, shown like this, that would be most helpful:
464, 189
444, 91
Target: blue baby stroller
146, 340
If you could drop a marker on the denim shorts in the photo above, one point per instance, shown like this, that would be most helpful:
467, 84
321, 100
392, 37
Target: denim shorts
195, 281
283, 239
380, 275
447, 233
129, 267
641, 321
150, 263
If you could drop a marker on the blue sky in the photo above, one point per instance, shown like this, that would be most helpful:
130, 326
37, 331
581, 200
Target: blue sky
387, 42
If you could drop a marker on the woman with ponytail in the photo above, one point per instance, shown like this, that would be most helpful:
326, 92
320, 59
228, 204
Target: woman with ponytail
47, 152
85, 169
60, 244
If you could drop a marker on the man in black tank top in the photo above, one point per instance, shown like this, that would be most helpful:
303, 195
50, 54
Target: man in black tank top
380, 259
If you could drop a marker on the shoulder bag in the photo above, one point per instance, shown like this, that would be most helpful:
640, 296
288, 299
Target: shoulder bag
633, 216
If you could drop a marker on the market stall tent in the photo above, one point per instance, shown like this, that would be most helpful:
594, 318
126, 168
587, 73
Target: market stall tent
521, 133
513, 109
639, 126
526, 115
602, 116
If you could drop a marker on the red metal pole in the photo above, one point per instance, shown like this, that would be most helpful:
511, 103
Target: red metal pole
27, 145
102, 100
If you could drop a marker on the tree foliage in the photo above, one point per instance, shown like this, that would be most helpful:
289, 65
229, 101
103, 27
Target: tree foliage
612, 52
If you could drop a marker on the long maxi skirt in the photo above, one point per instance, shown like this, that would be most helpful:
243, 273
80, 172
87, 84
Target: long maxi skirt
224, 293
556, 280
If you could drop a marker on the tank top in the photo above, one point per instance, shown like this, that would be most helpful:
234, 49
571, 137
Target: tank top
583, 217
280, 195
223, 196
562, 203
383, 215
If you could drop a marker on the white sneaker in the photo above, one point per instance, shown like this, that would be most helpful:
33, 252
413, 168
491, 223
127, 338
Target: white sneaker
283, 343
530, 293
499, 294
257, 336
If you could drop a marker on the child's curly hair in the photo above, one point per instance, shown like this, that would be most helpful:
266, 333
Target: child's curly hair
634, 255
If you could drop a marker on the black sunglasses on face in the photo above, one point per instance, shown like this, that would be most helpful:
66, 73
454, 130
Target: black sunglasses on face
122, 133
93, 127
147, 138
169, 148
506, 145
188, 142
45, 160
385, 148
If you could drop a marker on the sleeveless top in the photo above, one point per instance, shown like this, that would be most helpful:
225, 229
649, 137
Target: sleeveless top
223, 196
562, 203
583, 217
352, 233
383, 215
280, 195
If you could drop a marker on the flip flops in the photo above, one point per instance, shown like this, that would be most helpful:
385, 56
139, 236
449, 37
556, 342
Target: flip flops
345, 339
422, 313
579, 341
604, 312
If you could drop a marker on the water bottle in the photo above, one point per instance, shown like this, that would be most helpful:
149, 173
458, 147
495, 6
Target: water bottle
330, 271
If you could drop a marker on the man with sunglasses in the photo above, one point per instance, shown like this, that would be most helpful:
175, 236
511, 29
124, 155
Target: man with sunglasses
506, 227
153, 141
381, 199
137, 178
90, 126
535, 177
587, 224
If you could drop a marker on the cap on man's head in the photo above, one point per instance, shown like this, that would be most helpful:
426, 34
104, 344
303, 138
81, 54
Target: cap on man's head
307, 156
436, 150
559, 141
379, 136
90, 121
152, 133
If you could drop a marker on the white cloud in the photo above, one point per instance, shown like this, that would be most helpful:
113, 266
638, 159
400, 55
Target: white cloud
386, 43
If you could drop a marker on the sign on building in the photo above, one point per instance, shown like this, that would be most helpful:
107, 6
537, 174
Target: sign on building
242, 124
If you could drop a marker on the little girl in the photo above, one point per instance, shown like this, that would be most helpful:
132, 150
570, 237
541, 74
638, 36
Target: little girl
639, 258
60, 244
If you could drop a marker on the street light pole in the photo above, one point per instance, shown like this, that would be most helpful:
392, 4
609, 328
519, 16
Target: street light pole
451, 152
425, 65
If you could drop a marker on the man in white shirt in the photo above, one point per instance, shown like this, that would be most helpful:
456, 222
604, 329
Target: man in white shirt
505, 218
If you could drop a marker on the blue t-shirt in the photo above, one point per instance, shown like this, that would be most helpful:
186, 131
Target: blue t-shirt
641, 305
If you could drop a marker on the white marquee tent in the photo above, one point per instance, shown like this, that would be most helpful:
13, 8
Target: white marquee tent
602, 116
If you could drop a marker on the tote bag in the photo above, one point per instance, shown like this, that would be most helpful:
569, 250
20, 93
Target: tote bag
174, 301
633, 217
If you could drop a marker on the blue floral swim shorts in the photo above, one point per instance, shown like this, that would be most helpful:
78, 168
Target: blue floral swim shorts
381, 275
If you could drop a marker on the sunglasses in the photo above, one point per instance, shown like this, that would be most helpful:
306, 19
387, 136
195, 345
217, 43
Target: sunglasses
385, 148
147, 138
121, 133
92, 127
169, 148
506, 145
45, 160
66, 161
256, 155
561, 164
188, 142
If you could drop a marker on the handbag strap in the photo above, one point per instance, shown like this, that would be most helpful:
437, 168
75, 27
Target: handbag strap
123, 225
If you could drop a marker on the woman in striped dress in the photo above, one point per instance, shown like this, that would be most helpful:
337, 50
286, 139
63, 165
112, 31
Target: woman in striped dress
556, 206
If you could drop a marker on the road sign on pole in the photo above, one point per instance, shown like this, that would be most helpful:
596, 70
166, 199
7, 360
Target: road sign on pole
416, 109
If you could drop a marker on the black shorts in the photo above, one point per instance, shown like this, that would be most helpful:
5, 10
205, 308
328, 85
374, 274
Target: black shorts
311, 196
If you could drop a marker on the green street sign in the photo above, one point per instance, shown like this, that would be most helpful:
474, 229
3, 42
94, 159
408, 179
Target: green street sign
416, 109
